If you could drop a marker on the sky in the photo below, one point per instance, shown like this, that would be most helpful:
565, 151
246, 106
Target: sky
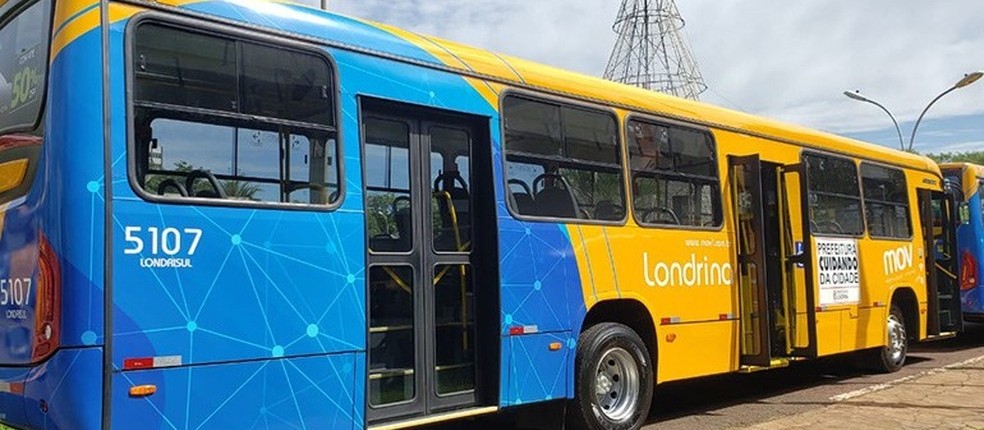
776, 58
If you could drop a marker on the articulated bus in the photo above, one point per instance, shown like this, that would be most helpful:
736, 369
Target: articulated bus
247, 214
969, 179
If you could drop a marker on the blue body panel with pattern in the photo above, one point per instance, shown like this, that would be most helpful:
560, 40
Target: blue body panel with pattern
267, 328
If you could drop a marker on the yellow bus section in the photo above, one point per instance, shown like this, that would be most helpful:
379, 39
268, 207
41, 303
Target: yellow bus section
688, 279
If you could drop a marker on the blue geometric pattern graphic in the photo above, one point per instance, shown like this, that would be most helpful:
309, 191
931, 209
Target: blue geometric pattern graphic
296, 393
264, 324
541, 287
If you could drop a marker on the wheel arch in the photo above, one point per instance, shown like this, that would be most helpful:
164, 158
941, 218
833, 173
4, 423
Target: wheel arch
905, 299
630, 312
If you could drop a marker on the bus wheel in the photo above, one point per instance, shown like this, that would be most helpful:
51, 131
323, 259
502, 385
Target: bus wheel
891, 357
613, 379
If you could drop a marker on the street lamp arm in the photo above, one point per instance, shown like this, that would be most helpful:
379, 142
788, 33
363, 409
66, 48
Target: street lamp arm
894, 121
912, 139
857, 96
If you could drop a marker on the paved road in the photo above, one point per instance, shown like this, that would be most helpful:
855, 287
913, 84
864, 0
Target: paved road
741, 400
730, 401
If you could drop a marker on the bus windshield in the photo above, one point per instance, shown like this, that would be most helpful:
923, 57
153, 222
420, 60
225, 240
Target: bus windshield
23, 66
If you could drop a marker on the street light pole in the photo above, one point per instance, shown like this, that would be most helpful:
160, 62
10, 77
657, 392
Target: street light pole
856, 95
968, 79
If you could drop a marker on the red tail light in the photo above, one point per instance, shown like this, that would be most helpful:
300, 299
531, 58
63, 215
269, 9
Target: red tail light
47, 307
968, 271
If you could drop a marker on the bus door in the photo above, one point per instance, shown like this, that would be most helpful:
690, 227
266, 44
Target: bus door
942, 268
766, 293
425, 353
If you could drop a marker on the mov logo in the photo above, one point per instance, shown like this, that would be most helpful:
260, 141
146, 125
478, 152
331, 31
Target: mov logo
898, 259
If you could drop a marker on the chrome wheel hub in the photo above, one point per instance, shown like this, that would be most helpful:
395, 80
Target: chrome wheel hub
617, 384
896, 339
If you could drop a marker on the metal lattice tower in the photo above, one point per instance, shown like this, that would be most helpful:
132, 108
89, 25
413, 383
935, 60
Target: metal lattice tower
651, 52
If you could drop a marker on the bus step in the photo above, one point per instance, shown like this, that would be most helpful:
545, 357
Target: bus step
436, 418
775, 363
941, 336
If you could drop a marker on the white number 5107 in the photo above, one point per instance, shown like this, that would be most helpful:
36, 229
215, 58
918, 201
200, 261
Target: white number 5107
167, 240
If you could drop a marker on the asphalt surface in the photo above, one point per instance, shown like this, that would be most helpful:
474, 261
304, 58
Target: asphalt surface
739, 400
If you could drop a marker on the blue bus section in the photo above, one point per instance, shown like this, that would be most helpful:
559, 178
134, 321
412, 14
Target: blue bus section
308, 392
64, 393
970, 239
280, 294
76, 188
61, 220
541, 292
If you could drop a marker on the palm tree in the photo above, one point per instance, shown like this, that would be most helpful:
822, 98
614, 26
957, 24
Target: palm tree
236, 189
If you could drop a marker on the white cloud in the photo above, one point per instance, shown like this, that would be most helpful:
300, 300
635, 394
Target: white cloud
783, 59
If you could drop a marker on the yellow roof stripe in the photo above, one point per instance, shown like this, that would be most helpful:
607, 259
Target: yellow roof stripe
73, 30
67, 9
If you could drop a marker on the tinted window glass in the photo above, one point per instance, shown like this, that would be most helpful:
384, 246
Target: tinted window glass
562, 161
590, 136
197, 138
287, 85
187, 69
674, 175
389, 212
451, 196
834, 195
24, 66
886, 201
980, 192
532, 127
884, 184
179, 165
833, 175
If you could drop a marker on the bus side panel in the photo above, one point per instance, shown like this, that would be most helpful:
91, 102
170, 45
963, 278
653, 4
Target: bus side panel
74, 221
67, 207
970, 238
66, 392
537, 373
311, 392
262, 287
541, 293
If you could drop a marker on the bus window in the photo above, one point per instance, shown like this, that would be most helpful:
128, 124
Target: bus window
452, 189
834, 195
674, 176
562, 162
223, 119
389, 212
980, 192
23, 67
886, 202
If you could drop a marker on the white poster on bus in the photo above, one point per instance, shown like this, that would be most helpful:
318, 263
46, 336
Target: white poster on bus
838, 271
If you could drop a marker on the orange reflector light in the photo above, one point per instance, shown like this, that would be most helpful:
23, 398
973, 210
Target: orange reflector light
555, 346
12, 174
143, 390
671, 337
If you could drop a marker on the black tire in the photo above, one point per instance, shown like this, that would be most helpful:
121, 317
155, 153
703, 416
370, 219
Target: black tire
621, 348
891, 357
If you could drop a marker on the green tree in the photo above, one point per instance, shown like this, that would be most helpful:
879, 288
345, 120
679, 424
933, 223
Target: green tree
974, 157
242, 190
